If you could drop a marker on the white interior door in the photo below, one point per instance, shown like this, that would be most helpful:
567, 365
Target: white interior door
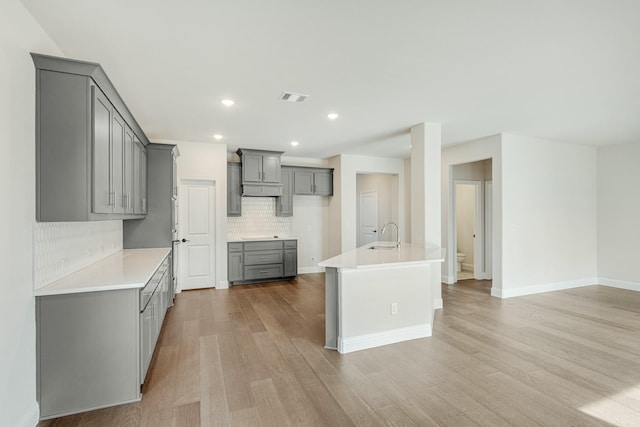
197, 234
488, 227
368, 217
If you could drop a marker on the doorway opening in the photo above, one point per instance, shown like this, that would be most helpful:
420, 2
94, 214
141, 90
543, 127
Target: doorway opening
472, 219
378, 204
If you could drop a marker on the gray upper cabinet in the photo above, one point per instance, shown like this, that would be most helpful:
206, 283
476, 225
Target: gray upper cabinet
316, 181
284, 203
84, 150
234, 189
260, 172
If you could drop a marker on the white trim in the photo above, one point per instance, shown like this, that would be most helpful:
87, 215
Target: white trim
538, 289
224, 284
362, 342
620, 284
469, 268
448, 280
31, 417
437, 304
306, 270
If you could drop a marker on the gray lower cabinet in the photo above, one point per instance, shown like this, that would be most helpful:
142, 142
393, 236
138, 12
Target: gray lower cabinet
257, 261
234, 189
94, 348
84, 150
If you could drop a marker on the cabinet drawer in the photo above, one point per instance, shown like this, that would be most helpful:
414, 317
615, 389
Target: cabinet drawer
290, 244
262, 271
262, 257
235, 247
263, 246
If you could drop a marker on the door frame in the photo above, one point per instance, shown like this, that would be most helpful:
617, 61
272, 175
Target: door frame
488, 229
182, 259
479, 242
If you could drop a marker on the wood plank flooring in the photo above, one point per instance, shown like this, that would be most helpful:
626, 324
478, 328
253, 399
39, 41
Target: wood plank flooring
253, 356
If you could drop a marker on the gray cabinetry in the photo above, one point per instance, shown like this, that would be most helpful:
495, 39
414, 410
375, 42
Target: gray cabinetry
234, 189
94, 348
157, 229
260, 172
284, 203
314, 181
82, 145
256, 261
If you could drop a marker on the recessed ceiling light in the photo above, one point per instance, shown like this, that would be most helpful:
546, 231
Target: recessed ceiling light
228, 102
217, 136
332, 116
295, 143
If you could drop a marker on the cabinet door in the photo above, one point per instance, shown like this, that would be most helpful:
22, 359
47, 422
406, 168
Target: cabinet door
235, 266
128, 171
143, 181
234, 197
118, 127
251, 168
290, 262
323, 182
102, 111
271, 172
284, 203
303, 182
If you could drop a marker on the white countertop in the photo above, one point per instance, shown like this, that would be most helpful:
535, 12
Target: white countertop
365, 257
261, 238
130, 268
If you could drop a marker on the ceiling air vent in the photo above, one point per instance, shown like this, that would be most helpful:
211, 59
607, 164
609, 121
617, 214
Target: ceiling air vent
293, 97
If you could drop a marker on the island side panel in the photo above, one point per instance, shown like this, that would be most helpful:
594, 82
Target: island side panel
365, 306
331, 307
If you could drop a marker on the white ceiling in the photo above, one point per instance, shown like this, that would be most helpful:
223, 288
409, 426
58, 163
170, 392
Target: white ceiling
563, 70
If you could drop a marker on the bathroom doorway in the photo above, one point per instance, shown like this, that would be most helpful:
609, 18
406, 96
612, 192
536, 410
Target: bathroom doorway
471, 215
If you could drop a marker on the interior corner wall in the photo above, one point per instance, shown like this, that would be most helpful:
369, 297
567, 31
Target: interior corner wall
335, 208
549, 215
618, 213
349, 167
20, 34
207, 160
473, 151
407, 201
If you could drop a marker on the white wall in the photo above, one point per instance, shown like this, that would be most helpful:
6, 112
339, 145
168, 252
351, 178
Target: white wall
473, 151
19, 35
206, 160
310, 224
618, 213
549, 215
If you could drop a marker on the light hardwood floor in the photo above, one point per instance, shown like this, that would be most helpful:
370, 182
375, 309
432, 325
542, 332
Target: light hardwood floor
253, 355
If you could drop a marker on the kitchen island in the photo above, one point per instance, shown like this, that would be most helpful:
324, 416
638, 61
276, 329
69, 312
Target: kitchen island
379, 294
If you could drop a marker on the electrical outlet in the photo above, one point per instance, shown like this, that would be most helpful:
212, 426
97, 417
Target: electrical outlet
394, 308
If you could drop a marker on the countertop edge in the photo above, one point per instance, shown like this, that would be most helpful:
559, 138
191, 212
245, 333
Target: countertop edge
64, 285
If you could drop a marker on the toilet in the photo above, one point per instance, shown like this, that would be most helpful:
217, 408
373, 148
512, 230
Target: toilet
460, 257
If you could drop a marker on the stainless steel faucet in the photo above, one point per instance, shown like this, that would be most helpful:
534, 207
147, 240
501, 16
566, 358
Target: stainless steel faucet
384, 227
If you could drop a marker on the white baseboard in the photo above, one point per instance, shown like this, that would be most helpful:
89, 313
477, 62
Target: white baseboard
448, 280
31, 417
467, 267
224, 284
437, 304
620, 284
538, 289
383, 338
306, 270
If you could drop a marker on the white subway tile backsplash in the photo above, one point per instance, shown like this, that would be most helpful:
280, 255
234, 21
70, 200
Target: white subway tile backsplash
258, 219
61, 248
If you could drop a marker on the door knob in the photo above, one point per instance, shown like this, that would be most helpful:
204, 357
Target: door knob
184, 240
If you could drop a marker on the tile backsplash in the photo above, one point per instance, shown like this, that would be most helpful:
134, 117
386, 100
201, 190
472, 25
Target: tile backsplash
61, 248
258, 219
